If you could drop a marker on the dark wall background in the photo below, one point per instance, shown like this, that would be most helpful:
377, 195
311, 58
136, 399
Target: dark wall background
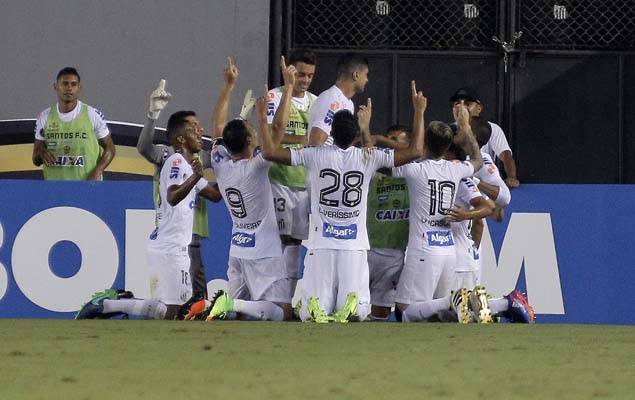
566, 101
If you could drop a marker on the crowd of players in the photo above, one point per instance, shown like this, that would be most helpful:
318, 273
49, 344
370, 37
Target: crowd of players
390, 221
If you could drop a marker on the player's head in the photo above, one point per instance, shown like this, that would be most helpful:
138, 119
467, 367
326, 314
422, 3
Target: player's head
184, 131
481, 129
238, 136
438, 137
455, 152
344, 128
67, 85
304, 62
353, 68
470, 98
398, 133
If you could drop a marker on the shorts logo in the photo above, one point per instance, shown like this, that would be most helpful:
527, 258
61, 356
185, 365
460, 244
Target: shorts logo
440, 238
242, 239
339, 232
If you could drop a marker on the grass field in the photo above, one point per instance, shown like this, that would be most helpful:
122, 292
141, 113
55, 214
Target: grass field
52, 359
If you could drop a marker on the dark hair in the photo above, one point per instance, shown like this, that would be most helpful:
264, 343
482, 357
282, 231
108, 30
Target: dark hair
68, 71
235, 135
438, 137
398, 128
456, 152
305, 56
176, 121
349, 63
344, 128
481, 129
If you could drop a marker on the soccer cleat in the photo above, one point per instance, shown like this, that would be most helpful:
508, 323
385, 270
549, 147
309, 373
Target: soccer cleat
296, 310
95, 306
197, 309
479, 305
519, 308
316, 312
459, 303
348, 309
184, 309
222, 304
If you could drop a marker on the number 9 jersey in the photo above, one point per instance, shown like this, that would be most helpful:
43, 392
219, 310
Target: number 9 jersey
339, 179
246, 191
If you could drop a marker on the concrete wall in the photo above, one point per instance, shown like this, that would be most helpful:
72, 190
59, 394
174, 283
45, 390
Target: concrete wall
122, 48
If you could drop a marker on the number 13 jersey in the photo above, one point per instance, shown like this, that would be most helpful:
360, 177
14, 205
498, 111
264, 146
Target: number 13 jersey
339, 181
246, 191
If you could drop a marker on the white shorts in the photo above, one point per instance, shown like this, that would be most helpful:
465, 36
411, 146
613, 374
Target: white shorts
259, 279
169, 277
425, 278
384, 268
331, 274
292, 210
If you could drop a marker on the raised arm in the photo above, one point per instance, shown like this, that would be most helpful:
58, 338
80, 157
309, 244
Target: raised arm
465, 138
176, 193
221, 109
415, 149
159, 98
363, 119
270, 149
281, 119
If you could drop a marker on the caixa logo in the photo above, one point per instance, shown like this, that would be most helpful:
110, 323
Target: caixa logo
339, 232
243, 239
440, 238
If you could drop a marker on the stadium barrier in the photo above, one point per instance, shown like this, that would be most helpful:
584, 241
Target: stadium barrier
569, 246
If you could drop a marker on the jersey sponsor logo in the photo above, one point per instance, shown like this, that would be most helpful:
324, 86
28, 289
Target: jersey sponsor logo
440, 238
51, 144
346, 232
70, 161
217, 156
328, 119
392, 215
174, 172
242, 239
271, 109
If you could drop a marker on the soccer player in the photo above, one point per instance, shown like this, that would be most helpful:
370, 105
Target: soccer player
336, 266
387, 223
291, 200
428, 272
180, 181
497, 145
352, 77
72, 140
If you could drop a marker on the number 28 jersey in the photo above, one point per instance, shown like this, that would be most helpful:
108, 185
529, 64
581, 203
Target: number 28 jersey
339, 180
246, 191
432, 186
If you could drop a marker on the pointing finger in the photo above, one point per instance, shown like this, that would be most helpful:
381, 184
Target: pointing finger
413, 86
369, 103
162, 84
283, 64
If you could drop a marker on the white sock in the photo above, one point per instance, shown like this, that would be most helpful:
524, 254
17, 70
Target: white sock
152, 309
423, 310
498, 305
262, 310
291, 259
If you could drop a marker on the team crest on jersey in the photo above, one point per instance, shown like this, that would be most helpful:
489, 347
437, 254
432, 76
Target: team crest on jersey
242, 239
346, 232
440, 238
176, 162
335, 106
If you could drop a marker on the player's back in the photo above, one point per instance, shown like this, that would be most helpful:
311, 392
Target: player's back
432, 186
339, 180
246, 191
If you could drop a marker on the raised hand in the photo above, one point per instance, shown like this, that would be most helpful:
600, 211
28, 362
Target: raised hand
419, 101
230, 73
159, 98
261, 104
197, 166
248, 104
288, 73
364, 114
461, 114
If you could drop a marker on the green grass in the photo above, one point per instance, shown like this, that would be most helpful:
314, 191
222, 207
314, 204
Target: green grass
51, 359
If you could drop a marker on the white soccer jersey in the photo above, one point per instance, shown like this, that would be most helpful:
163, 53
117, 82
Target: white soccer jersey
174, 223
497, 142
489, 173
275, 96
432, 186
339, 182
466, 192
246, 190
326, 105
96, 117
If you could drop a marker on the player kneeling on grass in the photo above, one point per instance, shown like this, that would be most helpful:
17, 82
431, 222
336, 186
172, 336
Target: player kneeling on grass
335, 283
180, 181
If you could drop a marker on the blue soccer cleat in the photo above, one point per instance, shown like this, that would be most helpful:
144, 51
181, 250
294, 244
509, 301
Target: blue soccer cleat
519, 308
